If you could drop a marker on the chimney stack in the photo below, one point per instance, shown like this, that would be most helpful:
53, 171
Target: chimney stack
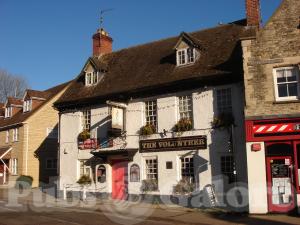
253, 13
102, 43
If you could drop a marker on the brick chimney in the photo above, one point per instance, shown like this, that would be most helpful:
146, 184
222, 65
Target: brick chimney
253, 13
102, 43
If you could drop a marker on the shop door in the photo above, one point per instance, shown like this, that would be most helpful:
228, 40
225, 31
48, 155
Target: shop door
280, 183
119, 180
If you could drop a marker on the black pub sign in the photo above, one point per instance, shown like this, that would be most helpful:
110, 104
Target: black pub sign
173, 144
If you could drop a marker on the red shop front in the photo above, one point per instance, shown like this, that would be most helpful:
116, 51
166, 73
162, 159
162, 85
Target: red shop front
281, 138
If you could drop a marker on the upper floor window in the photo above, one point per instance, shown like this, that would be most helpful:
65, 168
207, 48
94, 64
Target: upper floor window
8, 112
186, 56
7, 136
224, 103
286, 83
51, 163
185, 107
91, 78
16, 134
151, 112
27, 105
86, 119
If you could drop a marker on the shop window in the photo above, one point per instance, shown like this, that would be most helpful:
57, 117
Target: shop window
134, 173
227, 168
101, 174
286, 81
151, 169
187, 169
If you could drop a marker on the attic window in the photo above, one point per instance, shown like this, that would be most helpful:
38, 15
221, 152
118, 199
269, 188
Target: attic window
27, 105
91, 78
185, 56
8, 112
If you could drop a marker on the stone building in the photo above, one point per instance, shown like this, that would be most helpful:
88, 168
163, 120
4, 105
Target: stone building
154, 117
28, 136
271, 65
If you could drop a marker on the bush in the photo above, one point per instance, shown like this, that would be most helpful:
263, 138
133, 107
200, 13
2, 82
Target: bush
183, 124
84, 180
184, 187
84, 135
24, 182
149, 185
223, 120
148, 129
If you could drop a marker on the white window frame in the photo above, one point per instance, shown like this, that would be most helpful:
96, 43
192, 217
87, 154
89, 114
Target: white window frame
50, 164
151, 115
8, 112
288, 98
15, 134
191, 158
186, 57
7, 136
91, 78
146, 169
27, 105
86, 119
224, 103
185, 110
85, 168
14, 166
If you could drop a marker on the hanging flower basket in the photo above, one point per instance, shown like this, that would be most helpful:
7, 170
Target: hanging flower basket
148, 129
183, 124
224, 120
84, 135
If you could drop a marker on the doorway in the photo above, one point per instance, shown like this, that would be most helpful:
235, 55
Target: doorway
280, 177
119, 179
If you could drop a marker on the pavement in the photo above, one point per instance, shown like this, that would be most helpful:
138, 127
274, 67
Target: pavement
37, 208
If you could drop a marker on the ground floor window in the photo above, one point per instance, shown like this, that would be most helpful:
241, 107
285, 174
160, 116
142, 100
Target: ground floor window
14, 166
151, 169
227, 167
187, 169
51, 163
134, 173
84, 168
101, 174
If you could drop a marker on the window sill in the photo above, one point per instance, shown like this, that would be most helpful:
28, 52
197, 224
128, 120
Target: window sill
185, 65
286, 101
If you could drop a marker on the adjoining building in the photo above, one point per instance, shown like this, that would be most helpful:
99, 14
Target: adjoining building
28, 136
158, 116
271, 65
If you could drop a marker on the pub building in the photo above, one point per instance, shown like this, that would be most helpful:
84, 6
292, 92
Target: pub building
272, 112
157, 117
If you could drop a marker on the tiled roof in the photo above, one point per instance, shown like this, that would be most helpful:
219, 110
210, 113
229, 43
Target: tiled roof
20, 116
14, 101
154, 64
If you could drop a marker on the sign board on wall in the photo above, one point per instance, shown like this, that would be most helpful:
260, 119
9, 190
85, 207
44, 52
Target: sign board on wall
173, 144
117, 118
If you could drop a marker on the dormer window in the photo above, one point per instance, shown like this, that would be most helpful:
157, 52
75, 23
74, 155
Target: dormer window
27, 105
8, 112
185, 56
91, 78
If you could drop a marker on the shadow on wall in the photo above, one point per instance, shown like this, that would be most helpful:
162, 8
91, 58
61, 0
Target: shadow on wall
47, 154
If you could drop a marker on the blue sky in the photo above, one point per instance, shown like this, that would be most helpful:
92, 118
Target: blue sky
48, 41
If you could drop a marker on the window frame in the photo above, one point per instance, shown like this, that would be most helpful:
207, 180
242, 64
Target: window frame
15, 134
188, 109
191, 159
104, 180
288, 98
27, 105
54, 165
8, 112
229, 174
14, 166
187, 57
86, 119
149, 118
85, 167
7, 137
146, 168
221, 108
91, 78
138, 178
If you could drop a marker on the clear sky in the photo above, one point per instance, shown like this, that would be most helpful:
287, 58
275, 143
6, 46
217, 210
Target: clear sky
48, 41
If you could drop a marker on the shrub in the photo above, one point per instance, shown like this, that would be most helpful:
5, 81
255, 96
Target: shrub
84, 180
84, 135
184, 187
149, 185
223, 120
148, 129
24, 182
183, 124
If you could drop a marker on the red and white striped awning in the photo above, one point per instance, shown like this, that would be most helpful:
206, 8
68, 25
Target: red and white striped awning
275, 128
